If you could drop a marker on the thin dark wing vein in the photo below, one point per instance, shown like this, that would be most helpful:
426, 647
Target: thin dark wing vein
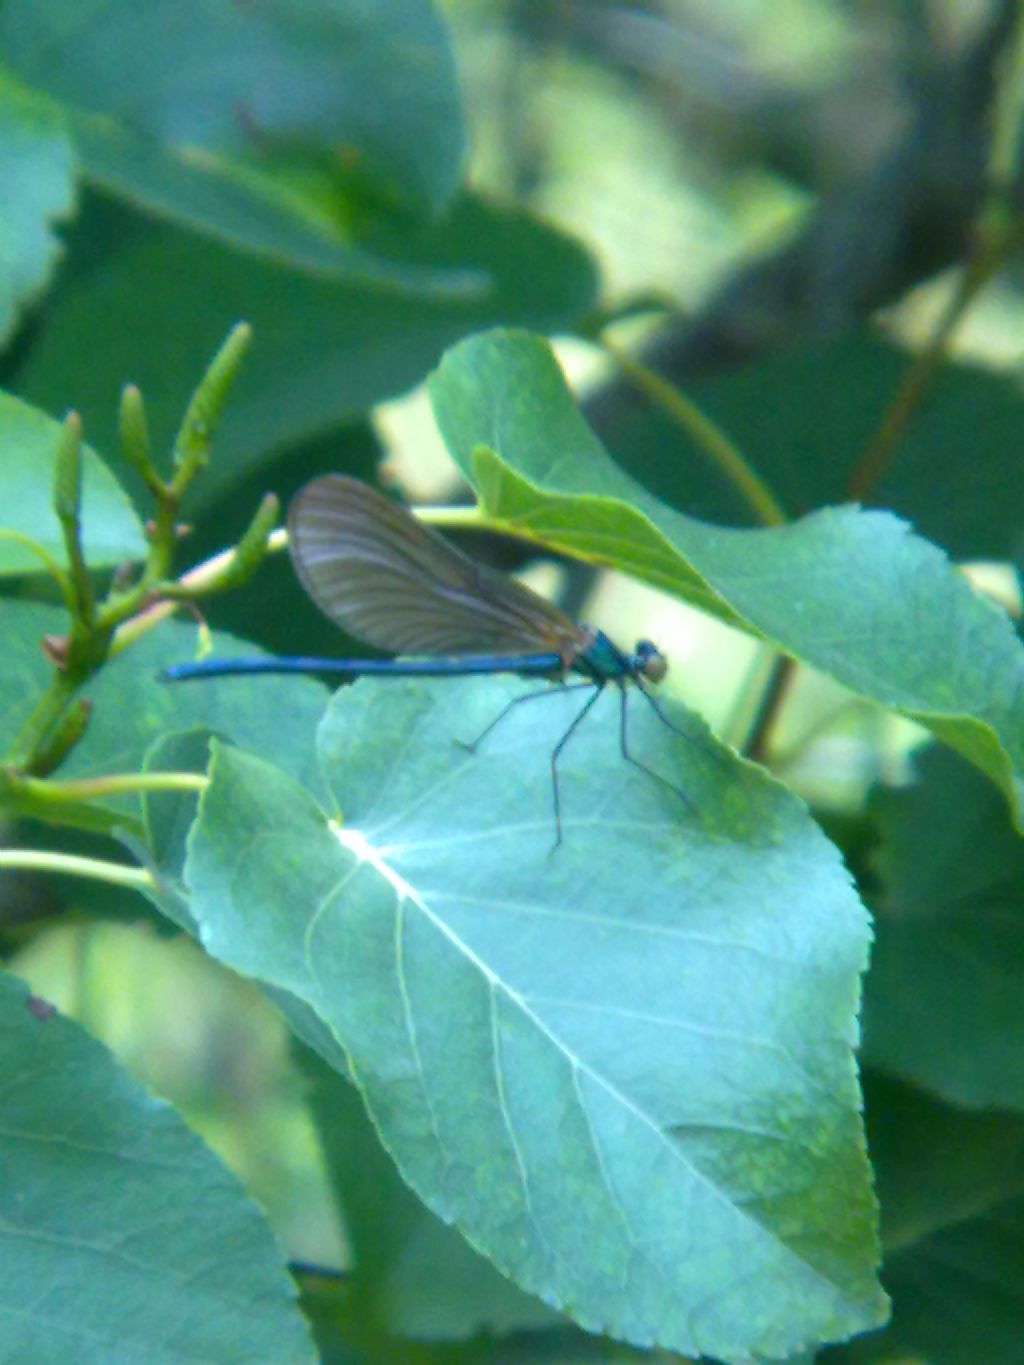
398, 615
365, 528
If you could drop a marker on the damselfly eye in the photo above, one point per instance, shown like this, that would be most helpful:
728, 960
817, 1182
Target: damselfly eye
650, 660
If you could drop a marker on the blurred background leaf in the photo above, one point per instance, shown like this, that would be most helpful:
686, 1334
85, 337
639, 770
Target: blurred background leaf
156, 305
37, 171
780, 201
952, 1186
942, 1002
374, 89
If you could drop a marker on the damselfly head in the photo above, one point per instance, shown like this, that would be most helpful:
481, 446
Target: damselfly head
650, 661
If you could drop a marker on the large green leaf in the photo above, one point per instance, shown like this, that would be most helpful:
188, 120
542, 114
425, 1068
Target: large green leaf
367, 84
853, 593
623, 1068
168, 817
122, 1237
943, 999
111, 532
803, 418
412, 1275
324, 351
37, 176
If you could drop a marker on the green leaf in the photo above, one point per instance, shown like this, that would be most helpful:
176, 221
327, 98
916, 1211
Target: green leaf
18, 804
806, 448
943, 998
122, 1237
168, 815
368, 86
952, 1192
167, 818
131, 708
960, 1290
111, 532
323, 350
413, 1276
37, 176
640, 1044
855, 594
257, 214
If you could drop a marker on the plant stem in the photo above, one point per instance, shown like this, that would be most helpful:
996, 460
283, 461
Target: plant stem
191, 584
41, 720
115, 874
1000, 232
722, 453
57, 722
771, 702
52, 567
462, 518
85, 788
878, 454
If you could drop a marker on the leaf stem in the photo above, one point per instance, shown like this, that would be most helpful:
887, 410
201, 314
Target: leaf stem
723, 454
111, 784
52, 567
115, 874
462, 518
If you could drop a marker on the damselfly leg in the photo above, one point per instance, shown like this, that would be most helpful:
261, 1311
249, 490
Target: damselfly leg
624, 741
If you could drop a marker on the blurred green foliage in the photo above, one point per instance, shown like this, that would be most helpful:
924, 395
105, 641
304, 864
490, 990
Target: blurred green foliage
626, 1074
